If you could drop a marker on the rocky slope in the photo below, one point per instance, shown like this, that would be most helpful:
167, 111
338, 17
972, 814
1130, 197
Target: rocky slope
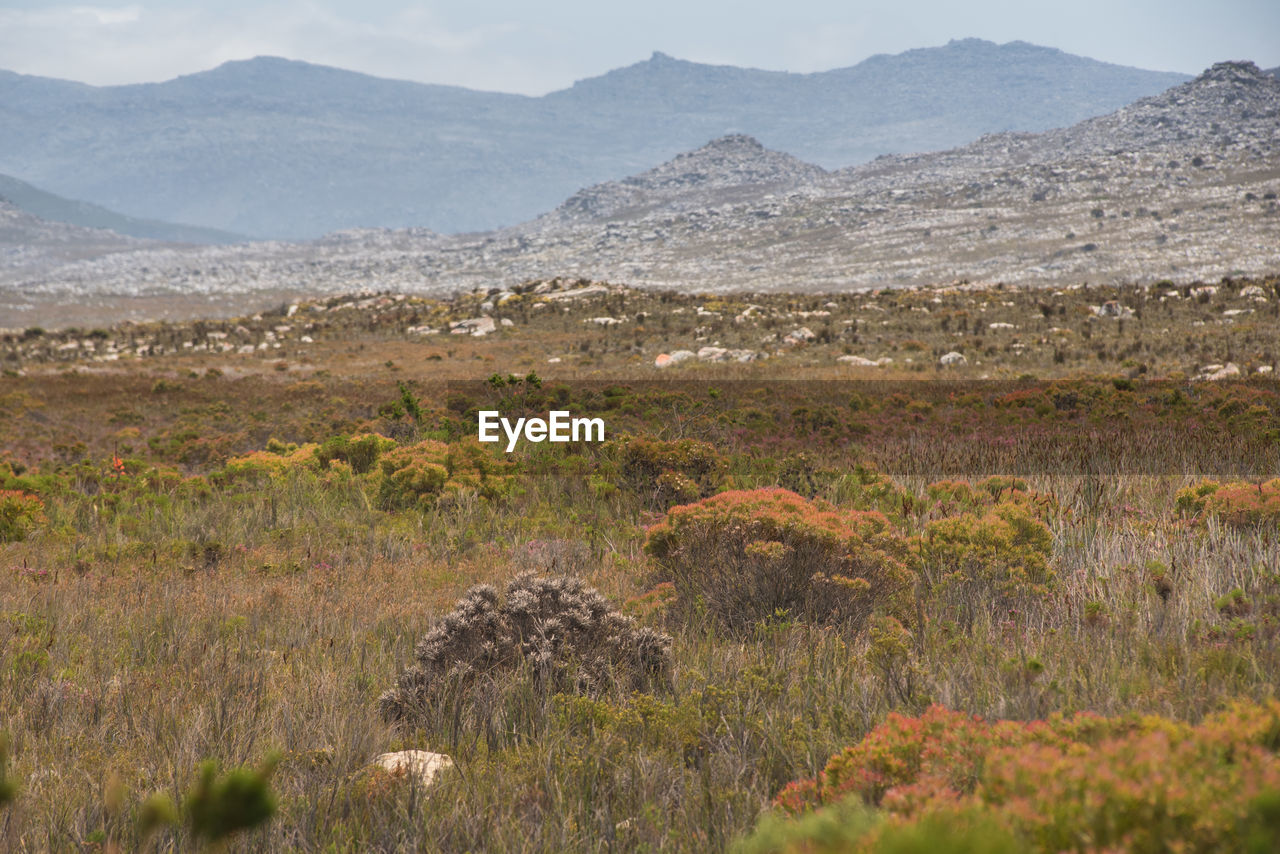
274, 148
30, 245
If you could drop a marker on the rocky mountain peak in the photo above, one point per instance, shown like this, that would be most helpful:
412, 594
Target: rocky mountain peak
728, 162
1232, 73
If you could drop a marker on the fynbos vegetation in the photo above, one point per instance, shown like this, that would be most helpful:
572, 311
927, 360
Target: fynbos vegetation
870, 607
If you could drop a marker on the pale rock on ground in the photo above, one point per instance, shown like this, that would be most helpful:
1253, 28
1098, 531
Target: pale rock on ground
1219, 372
477, 326
666, 360
423, 765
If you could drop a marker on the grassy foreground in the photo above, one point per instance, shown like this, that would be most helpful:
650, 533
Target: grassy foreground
206, 557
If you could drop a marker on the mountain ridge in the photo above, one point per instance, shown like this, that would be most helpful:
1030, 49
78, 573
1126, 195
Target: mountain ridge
278, 148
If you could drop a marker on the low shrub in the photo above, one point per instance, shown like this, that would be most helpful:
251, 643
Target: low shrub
423, 474
991, 561
414, 475
359, 452
561, 634
671, 472
20, 512
751, 554
274, 462
801, 474
951, 497
851, 826
1129, 783
865, 488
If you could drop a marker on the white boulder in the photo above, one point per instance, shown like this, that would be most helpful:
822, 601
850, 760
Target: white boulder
860, 361
473, 326
799, 336
422, 766
666, 360
1220, 372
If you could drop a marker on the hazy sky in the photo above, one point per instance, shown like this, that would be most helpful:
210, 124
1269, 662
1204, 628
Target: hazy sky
534, 47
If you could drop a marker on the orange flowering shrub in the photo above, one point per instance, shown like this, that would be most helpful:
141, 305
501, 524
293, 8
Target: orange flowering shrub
19, 513
1238, 504
748, 554
1082, 783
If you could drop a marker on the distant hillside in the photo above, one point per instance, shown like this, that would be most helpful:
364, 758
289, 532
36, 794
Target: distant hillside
275, 148
52, 208
31, 246
1232, 107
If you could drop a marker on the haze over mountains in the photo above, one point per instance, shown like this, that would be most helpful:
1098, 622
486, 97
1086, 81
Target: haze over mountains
54, 208
275, 148
1182, 185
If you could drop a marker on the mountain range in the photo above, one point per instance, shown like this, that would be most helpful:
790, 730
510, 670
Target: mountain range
276, 148
1183, 185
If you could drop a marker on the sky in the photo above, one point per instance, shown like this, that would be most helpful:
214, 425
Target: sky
535, 47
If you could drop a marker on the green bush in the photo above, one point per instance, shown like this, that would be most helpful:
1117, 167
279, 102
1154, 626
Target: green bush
669, 473
19, 514
990, 561
8, 788
219, 806
359, 452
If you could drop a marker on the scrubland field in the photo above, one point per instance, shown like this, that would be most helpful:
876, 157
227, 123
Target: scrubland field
1027, 601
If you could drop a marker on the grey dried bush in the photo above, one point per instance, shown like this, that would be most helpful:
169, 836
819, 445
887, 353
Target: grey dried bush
560, 633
